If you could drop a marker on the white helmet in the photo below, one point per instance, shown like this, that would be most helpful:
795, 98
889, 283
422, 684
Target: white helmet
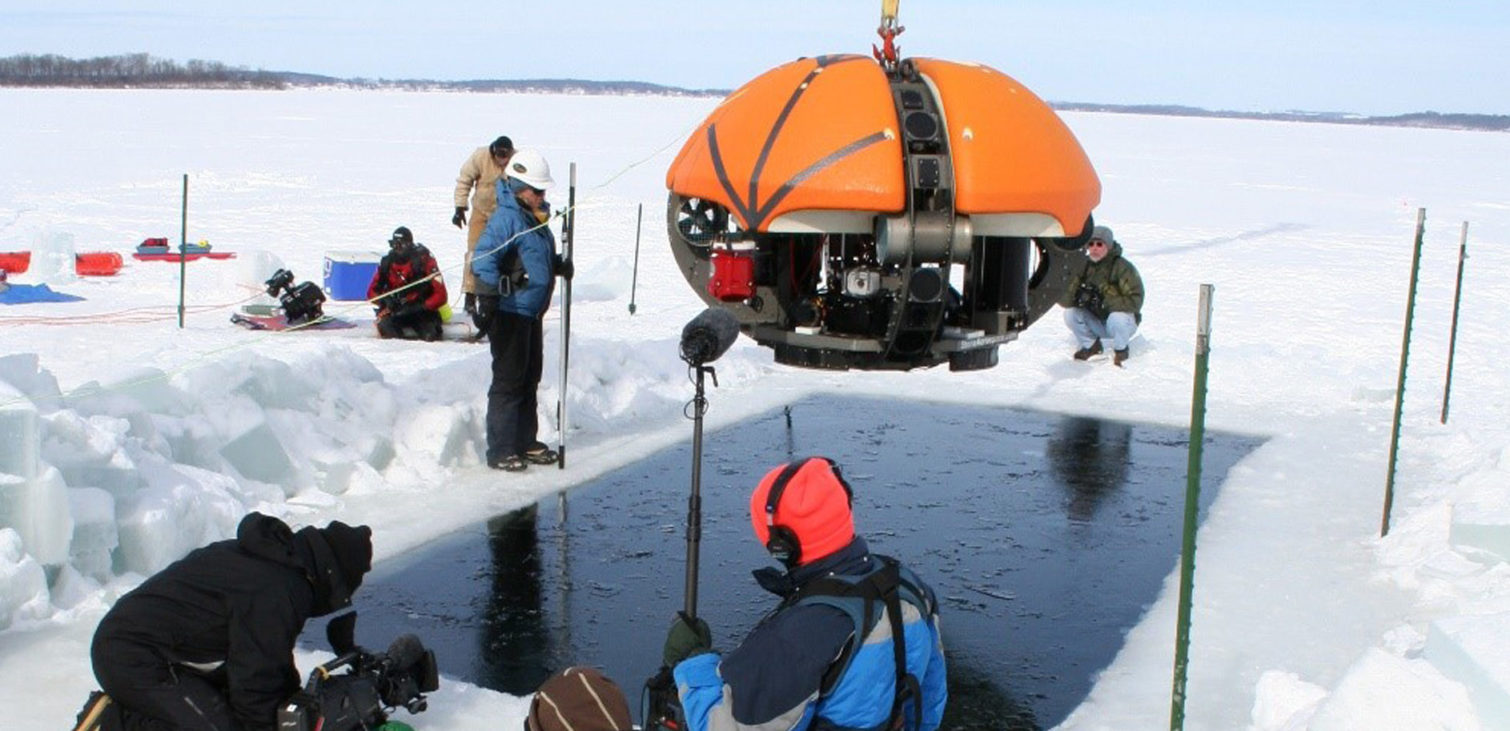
529, 167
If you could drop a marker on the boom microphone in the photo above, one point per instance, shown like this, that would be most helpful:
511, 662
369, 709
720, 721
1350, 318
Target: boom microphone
708, 336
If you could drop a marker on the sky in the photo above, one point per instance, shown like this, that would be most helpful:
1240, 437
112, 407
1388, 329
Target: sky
1303, 616
1375, 58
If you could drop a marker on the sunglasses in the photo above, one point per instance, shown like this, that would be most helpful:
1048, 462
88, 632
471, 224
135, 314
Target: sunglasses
1094, 244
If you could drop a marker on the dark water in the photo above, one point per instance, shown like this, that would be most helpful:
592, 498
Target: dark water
1044, 536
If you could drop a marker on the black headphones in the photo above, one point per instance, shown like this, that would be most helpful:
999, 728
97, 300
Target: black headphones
781, 541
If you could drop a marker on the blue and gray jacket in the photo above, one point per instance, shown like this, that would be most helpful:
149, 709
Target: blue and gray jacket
814, 664
517, 245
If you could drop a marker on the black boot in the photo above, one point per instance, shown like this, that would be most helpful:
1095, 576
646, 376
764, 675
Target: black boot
1086, 352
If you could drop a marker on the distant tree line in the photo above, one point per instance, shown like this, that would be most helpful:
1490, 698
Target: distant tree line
132, 70
1435, 120
141, 70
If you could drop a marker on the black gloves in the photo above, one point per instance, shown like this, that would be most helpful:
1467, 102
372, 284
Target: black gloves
686, 638
460, 219
564, 267
486, 305
388, 303
410, 310
469, 303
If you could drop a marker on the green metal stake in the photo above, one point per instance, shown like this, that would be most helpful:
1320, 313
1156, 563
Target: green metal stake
635, 275
1410, 313
183, 251
1192, 507
1457, 299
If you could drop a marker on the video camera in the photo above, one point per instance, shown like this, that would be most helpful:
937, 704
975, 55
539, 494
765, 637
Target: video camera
1088, 297
374, 685
661, 707
300, 303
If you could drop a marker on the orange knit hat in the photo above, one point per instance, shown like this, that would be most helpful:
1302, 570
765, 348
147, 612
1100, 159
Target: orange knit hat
814, 505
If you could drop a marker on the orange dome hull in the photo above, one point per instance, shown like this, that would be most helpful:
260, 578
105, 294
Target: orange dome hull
813, 134
1011, 152
821, 134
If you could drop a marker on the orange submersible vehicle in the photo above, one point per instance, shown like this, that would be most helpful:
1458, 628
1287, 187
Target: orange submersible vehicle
881, 213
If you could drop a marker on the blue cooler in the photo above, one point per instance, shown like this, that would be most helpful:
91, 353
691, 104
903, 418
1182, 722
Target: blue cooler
348, 273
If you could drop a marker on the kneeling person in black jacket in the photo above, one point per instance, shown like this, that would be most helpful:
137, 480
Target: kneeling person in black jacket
207, 643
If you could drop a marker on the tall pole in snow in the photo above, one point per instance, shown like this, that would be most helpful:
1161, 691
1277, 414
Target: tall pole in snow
1410, 314
1192, 507
569, 234
1457, 299
634, 276
183, 250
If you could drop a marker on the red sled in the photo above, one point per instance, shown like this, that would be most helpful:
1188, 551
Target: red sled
191, 257
15, 262
97, 264
156, 249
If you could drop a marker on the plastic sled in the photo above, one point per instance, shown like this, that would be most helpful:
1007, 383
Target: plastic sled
277, 323
15, 262
97, 264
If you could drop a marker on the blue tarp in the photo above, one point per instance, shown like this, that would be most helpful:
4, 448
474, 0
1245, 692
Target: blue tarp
20, 294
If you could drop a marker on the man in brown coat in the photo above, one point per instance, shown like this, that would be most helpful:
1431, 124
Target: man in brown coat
478, 177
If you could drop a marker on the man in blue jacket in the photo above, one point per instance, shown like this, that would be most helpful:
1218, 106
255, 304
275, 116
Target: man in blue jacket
516, 261
825, 657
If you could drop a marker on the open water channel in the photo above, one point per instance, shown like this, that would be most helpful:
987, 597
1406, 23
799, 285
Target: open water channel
1045, 537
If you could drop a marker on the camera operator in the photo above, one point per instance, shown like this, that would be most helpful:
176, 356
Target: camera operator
207, 643
410, 311
1105, 300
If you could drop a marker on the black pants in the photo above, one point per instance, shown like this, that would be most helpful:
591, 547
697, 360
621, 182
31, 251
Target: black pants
154, 694
517, 343
422, 325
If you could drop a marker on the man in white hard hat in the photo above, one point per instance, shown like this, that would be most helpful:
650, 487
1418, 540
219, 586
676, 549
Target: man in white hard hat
516, 265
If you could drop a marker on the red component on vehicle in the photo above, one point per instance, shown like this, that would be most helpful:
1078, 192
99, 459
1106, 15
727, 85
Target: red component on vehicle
733, 275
